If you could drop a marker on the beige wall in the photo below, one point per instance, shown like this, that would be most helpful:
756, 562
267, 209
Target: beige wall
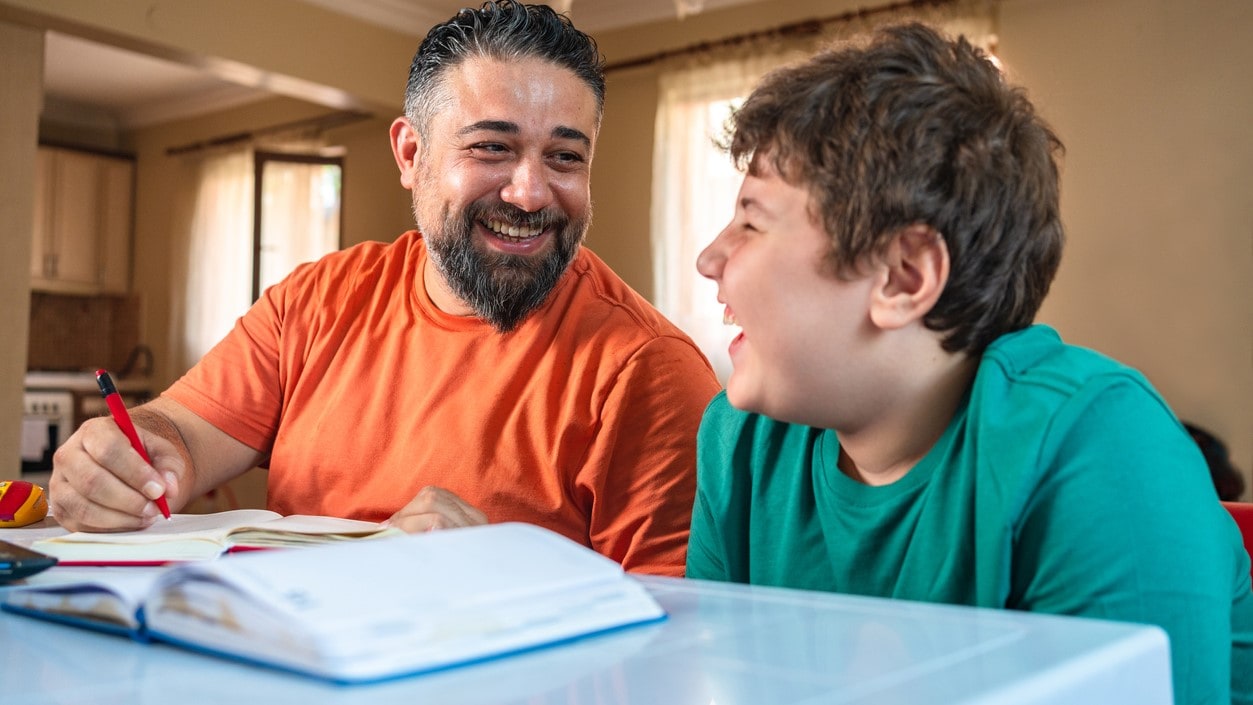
21, 95
1154, 102
1150, 96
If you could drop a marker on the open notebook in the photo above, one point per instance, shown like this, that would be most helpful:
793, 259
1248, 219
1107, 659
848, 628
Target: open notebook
359, 611
201, 536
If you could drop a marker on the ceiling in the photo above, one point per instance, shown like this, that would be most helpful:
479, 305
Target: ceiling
90, 83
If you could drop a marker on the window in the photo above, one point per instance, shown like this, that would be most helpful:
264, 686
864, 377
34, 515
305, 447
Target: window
297, 214
240, 239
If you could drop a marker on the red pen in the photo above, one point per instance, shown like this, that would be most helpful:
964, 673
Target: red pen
123, 421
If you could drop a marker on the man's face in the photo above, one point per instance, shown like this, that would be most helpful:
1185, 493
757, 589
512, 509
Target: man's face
501, 188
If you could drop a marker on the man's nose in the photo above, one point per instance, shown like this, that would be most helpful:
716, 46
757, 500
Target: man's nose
528, 187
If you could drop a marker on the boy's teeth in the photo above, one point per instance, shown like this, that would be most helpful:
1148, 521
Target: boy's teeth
728, 318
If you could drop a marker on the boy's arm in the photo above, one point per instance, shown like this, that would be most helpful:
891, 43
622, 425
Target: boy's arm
715, 467
1127, 526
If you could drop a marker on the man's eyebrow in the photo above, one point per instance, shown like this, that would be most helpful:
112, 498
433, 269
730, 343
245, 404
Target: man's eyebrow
492, 126
512, 128
569, 133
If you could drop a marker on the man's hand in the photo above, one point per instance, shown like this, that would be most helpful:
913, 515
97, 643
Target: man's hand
436, 508
100, 483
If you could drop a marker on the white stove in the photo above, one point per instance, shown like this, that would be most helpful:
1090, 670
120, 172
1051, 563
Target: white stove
47, 420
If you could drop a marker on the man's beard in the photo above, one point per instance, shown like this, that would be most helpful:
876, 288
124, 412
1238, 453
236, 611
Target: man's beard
502, 289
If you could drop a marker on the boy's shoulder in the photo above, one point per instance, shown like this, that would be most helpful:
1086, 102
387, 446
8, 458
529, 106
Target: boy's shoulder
1035, 360
1032, 389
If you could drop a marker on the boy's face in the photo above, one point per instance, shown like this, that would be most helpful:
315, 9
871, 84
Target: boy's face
803, 350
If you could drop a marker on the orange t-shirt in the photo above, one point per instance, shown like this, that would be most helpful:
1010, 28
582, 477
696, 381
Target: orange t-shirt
583, 419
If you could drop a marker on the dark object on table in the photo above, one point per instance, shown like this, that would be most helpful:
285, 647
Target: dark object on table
18, 562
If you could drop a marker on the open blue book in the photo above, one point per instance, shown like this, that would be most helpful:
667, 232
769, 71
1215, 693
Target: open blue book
360, 611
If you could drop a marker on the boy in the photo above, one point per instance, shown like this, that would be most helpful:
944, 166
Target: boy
900, 429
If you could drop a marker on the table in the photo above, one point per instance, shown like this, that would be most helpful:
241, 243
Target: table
722, 645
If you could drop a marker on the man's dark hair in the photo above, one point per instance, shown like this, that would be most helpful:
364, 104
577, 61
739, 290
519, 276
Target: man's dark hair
504, 30
911, 128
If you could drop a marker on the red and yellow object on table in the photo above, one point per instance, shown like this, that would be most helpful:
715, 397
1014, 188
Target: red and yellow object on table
21, 503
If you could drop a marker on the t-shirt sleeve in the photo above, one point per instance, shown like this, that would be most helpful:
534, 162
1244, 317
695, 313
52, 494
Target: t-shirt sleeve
641, 467
706, 548
1127, 526
236, 385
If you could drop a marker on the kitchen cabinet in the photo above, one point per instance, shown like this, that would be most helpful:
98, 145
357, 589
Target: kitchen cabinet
83, 214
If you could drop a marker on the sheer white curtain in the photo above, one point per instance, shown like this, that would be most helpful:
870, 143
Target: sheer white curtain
299, 216
694, 187
214, 258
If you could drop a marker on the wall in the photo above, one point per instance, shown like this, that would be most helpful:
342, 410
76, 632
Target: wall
21, 94
1154, 102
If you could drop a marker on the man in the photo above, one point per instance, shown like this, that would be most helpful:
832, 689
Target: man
894, 425
483, 368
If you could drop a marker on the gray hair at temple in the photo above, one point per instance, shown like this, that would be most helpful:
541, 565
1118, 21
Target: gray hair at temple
504, 30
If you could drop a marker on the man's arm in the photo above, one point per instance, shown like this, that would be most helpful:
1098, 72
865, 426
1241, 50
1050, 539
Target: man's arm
100, 483
641, 467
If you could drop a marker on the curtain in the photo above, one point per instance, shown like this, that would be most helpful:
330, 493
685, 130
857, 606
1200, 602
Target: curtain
213, 259
299, 216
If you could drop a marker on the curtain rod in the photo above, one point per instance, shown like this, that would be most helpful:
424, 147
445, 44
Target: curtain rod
804, 28
321, 122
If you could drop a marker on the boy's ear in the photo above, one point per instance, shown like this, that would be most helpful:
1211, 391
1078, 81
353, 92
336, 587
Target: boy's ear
911, 277
406, 146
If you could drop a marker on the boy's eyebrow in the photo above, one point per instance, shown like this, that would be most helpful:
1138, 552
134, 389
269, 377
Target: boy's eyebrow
749, 202
512, 128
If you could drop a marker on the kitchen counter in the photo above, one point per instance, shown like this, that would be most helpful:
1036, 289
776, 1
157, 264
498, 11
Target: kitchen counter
85, 382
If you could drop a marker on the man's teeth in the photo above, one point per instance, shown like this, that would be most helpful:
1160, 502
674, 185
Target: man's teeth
512, 232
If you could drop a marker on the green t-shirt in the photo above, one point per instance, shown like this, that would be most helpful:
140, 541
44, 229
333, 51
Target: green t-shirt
1064, 484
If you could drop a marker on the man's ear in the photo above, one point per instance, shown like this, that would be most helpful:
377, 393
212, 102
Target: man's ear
912, 275
406, 146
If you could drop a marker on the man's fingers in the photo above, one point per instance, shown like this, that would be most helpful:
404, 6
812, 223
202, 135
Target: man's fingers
99, 481
436, 508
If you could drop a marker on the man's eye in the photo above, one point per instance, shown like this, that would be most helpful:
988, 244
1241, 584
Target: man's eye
568, 157
489, 148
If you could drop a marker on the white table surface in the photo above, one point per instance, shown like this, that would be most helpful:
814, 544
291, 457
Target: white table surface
722, 645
